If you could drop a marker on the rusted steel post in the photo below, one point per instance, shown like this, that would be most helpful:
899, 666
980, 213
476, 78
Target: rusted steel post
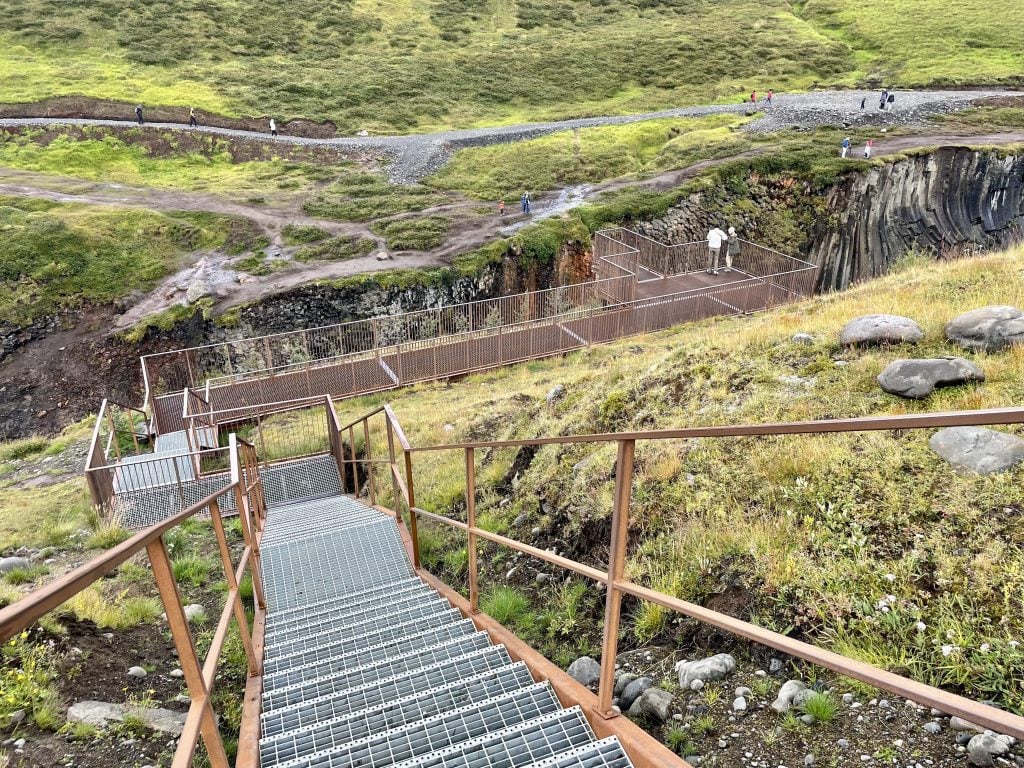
249, 534
396, 492
163, 572
474, 588
355, 462
616, 567
229, 576
369, 462
413, 532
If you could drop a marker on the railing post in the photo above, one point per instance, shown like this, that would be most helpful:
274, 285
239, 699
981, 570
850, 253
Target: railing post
369, 462
413, 532
355, 462
163, 572
474, 589
396, 491
229, 575
616, 566
249, 534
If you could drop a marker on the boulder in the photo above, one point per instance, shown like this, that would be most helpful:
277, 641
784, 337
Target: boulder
803, 338
633, 690
138, 672
555, 394
984, 748
8, 564
622, 679
880, 329
585, 671
787, 695
976, 450
989, 328
712, 668
99, 713
653, 702
919, 378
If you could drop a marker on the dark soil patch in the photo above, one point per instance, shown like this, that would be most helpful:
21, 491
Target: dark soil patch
102, 109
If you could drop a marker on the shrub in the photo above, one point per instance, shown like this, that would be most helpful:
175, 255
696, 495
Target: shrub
821, 707
505, 605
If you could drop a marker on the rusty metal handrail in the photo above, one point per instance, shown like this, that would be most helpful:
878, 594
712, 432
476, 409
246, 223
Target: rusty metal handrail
200, 675
614, 578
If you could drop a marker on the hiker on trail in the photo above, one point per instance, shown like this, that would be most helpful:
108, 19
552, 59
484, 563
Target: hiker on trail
891, 102
733, 250
138, 113
867, 148
715, 238
192, 122
501, 207
881, 101
771, 94
524, 201
846, 146
863, 102
753, 97
273, 127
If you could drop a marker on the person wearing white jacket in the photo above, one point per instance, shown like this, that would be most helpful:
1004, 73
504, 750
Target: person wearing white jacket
715, 238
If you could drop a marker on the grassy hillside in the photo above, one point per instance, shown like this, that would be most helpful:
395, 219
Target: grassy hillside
392, 65
807, 536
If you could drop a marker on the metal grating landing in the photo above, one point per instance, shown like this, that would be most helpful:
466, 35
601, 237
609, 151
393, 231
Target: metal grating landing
366, 667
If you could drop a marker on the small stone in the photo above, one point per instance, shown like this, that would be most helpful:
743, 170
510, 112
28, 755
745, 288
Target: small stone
740, 704
633, 690
787, 694
743, 691
809, 759
136, 672
959, 724
555, 394
194, 612
181, 698
760, 673
775, 666
803, 338
176, 673
622, 679
709, 669
932, 727
585, 671
696, 685
984, 748
8, 564
807, 719
16, 717
19, 743
865, 758
843, 743
722, 744
962, 739
535, 532
108, 635
880, 329
848, 698
653, 702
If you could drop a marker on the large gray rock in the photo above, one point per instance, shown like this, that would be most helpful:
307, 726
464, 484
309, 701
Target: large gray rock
585, 671
919, 378
880, 329
712, 668
653, 702
13, 563
633, 690
99, 713
984, 748
976, 450
988, 328
621, 681
789, 693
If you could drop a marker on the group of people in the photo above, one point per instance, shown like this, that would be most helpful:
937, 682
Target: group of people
193, 121
886, 101
869, 145
767, 99
525, 201
716, 237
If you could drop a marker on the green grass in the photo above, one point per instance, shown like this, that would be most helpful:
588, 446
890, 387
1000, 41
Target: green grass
821, 706
43, 517
804, 528
420, 234
55, 256
296, 234
506, 605
338, 248
366, 196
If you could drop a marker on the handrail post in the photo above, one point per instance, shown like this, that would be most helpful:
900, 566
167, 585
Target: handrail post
413, 532
369, 462
474, 589
163, 572
355, 462
395, 490
616, 567
229, 575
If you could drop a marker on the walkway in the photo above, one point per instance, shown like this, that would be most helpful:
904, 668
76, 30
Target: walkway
367, 666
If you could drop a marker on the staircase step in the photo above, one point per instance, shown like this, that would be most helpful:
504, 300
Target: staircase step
380, 692
358, 623
283, 528
473, 721
390, 660
349, 601
606, 753
432, 617
415, 651
347, 607
359, 725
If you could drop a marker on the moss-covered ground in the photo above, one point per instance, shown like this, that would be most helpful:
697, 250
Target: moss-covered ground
867, 543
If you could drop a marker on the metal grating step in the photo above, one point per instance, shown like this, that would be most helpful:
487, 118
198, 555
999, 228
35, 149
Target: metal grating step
317, 476
473, 721
606, 753
416, 651
359, 725
383, 691
512, 747
392, 660
358, 623
346, 606
350, 600
293, 530
376, 636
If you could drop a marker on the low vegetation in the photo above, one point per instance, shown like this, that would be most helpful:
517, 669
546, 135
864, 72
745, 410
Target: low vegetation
414, 234
367, 196
867, 543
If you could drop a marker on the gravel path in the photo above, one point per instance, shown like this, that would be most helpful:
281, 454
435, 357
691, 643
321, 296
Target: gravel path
416, 156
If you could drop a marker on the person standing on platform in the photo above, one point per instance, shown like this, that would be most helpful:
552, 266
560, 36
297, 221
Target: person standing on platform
715, 238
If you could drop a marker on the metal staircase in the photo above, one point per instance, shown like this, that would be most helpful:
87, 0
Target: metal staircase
367, 667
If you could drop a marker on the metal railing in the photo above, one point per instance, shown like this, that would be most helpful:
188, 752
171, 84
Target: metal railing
245, 491
396, 470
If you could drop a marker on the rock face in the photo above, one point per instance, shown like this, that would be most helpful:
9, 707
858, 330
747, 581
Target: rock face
585, 671
975, 450
989, 328
653, 702
880, 329
101, 713
919, 378
712, 668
